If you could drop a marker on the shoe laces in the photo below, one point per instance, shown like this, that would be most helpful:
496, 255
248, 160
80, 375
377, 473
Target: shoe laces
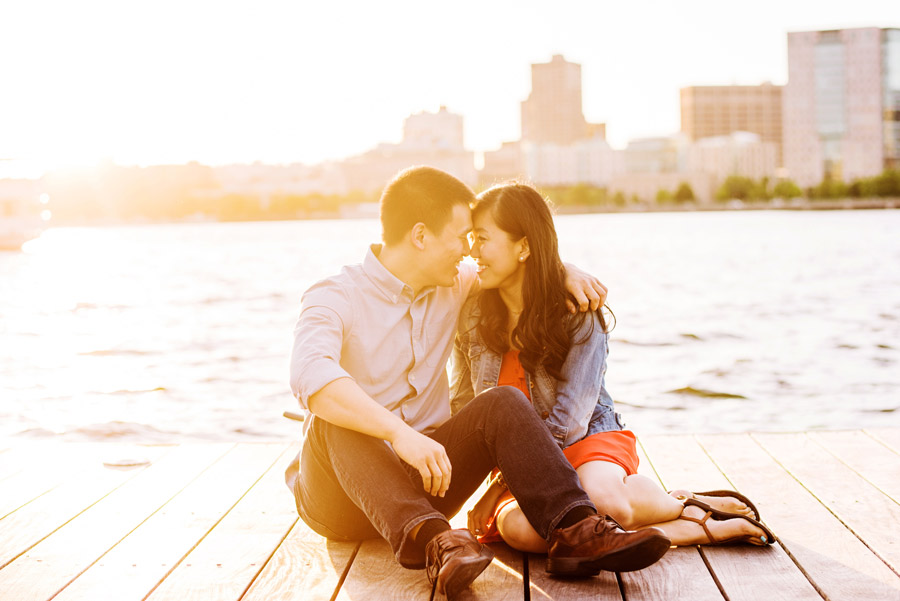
606, 523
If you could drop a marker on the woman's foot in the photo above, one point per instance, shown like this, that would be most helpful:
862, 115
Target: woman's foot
726, 504
713, 531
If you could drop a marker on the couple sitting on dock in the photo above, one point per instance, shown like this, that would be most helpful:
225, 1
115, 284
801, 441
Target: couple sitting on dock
393, 450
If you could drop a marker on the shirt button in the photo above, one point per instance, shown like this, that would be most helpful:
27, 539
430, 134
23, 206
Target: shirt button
412, 377
545, 415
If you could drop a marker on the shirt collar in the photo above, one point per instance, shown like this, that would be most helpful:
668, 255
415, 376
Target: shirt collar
383, 279
389, 284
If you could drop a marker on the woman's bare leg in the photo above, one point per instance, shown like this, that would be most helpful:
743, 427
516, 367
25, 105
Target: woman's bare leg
517, 531
633, 501
684, 532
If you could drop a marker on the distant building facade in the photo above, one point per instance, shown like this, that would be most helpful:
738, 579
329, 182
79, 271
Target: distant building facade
552, 113
434, 139
740, 153
842, 104
715, 111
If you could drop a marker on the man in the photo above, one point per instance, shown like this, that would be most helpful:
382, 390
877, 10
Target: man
381, 455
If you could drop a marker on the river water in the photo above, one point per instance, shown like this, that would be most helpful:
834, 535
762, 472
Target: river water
726, 321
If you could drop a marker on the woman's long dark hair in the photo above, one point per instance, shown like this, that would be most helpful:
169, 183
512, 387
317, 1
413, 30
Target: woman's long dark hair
545, 328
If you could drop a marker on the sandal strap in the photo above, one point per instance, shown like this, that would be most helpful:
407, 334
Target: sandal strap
702, 522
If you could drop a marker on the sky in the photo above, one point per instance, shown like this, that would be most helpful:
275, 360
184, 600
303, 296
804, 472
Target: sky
140, 82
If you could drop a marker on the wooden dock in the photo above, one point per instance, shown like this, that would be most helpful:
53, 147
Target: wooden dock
211, 522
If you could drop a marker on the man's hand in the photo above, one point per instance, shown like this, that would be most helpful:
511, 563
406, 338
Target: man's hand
588, 291
427, 456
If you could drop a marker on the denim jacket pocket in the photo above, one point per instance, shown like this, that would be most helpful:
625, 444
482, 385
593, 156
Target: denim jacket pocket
557, 432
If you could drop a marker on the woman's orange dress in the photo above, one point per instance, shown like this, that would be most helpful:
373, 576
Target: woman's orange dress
617, 446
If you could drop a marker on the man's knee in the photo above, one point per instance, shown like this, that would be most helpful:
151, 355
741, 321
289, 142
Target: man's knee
507, 399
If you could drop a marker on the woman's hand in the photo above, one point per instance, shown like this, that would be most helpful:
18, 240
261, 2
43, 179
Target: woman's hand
483, 511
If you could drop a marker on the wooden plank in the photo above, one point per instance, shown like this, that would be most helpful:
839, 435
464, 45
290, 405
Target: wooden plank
46, 466
225, 563
54, 562
49, 461
675, 576
305, 567
742, 572
871, 515
375, 574
887, 436
21, 530
839, 565
681, 573
20, 489
681, 462
503, 580
131, 569
869, 458
544, 587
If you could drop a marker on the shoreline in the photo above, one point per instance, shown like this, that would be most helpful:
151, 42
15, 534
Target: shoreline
370, 211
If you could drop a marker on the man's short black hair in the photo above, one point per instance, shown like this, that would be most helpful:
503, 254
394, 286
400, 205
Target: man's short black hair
420, 194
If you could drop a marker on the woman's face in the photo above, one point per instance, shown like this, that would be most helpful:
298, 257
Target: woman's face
496, 255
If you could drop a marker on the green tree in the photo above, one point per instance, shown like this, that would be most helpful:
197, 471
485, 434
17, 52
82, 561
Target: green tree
619, 199
684, 193
787, 189
735, 186
664, 197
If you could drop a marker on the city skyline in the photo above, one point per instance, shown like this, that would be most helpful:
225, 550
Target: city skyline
281, 83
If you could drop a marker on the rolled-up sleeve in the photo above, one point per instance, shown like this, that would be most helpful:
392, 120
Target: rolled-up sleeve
325, 315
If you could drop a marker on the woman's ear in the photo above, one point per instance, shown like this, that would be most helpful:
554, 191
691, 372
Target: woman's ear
417, 235
523, 250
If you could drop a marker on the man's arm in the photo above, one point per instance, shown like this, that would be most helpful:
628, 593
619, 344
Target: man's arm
326, 389
343, 403
588, 291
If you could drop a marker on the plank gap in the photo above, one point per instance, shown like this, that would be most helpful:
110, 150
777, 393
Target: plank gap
526, 576
269, 558
712, 573
9, 513
346, 570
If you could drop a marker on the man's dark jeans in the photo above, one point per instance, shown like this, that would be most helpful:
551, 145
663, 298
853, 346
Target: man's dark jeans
352, 486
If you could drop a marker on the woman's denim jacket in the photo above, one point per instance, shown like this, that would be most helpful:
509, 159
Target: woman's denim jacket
572, 409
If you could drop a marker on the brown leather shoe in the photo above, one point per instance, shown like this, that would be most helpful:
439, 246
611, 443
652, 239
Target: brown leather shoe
599, 543
454, 558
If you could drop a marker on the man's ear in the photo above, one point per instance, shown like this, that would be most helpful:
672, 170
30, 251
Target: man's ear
417, 236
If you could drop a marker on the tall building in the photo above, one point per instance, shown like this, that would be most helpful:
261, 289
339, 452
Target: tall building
552, 113
842, 104
715, 111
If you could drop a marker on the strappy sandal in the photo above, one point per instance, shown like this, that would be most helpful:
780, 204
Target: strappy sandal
760, 541
723, 493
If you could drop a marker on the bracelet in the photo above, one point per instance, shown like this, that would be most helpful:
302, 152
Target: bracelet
499, 481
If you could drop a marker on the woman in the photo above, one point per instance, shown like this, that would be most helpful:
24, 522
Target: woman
518, 332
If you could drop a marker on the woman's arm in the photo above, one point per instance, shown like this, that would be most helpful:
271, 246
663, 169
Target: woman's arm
583, 372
